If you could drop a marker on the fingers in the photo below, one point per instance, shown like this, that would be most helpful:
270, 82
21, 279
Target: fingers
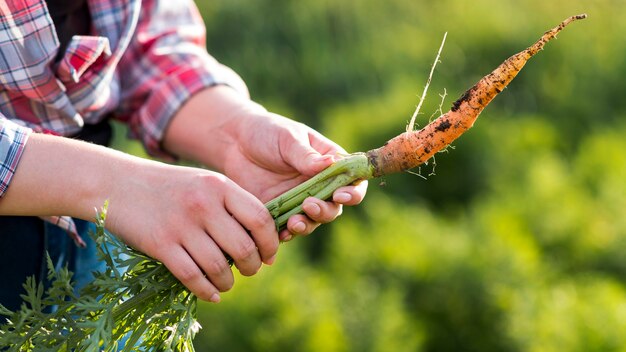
254, 217
234, 240
300, 225
321, 211
239, 226
301, 155
318, 212
207, 255
178, 261
351, 195
200, 263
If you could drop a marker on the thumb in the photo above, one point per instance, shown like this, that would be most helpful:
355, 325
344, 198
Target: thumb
305, 159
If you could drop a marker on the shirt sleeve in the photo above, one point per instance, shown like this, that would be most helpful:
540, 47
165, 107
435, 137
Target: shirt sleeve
13, 139
165, 64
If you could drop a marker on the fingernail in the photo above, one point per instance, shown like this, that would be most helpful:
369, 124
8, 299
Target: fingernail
215, 298
287, 238
312, 209
298, 227
271, 260
342, 197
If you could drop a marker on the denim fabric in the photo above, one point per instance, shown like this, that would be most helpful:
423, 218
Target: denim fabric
23, 242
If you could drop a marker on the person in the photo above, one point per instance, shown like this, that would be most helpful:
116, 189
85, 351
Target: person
66, 69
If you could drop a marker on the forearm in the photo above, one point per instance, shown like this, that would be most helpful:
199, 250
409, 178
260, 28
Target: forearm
184, 217
206, 125
60, 176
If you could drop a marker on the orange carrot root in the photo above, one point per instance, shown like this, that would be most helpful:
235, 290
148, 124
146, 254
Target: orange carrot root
413, 148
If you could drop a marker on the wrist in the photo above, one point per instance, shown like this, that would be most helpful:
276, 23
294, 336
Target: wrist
208, 124
60, 176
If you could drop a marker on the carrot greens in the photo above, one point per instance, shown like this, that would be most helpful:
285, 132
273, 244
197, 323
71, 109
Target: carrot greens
143, 307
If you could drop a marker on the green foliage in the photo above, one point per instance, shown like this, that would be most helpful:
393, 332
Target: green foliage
139, 308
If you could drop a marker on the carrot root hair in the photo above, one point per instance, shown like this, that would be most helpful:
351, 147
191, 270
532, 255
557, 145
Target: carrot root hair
413, 148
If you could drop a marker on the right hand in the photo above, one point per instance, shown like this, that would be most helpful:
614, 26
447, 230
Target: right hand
185, 217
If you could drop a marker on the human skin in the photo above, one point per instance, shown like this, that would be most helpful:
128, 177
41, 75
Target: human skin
185, 216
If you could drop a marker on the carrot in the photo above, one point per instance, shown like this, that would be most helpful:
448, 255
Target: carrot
412, 148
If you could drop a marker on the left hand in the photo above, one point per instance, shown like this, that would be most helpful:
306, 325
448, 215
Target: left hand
274, 154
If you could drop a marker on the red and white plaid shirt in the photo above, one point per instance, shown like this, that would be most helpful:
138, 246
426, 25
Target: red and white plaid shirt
142, 61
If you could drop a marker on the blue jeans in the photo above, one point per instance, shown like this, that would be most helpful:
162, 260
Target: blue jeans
23, 244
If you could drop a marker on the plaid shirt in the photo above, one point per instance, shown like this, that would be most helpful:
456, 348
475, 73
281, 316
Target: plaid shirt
143, 60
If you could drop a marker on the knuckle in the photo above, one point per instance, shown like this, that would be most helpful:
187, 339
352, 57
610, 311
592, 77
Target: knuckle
221, 182
196, 202
246, 250
218, 267
189, 274
248, 260
200, 198
210, 179
220, 275
262, 219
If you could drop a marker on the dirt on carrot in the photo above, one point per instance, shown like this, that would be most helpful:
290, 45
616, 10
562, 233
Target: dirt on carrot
413, 148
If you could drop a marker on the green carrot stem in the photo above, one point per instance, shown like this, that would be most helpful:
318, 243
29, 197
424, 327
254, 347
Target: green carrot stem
346, 171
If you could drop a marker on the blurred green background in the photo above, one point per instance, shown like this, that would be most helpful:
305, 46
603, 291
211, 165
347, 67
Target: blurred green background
518, 240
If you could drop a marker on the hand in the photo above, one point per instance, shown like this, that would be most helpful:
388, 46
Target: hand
272, 154
186, 217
